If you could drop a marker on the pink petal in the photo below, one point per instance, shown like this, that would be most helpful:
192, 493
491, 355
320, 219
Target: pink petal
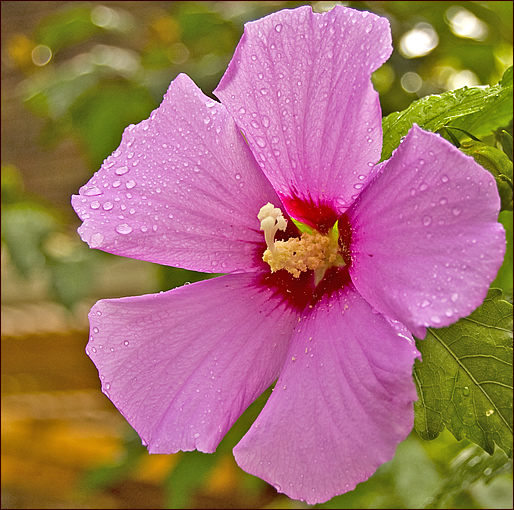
299, 87
181, 366
183, 189
341, 405
426, 243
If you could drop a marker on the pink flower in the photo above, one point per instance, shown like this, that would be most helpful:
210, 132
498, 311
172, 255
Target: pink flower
416, 244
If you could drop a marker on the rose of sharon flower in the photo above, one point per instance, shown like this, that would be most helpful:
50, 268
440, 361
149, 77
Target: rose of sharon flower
393, 248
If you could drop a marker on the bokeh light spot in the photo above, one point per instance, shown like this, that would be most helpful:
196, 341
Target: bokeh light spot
41, 55
464, 23
411, 82
419, 41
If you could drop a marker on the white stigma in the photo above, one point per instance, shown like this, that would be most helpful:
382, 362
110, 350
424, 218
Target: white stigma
271, 219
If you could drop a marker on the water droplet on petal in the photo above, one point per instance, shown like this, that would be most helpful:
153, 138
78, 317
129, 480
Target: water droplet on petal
456, 211
278, 27
425, 303
130, 184
445, 178
96, 240
427, 220
108, 206
92, 192
126, 342
124, 229
95, 205
260, 142
122, 170
455, 296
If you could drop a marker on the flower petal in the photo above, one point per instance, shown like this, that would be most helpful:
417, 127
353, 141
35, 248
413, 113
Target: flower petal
183, 189
342, 403
426, 243
299, 87
181, 366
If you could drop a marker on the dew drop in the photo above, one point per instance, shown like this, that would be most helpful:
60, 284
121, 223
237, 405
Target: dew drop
443, 201
260, 142
423, 187
455, 296
445, 178
466, 391
116, 184
126, 343
456, 211
124, 229
242, 111
96, 240
196, 436
425, 303
489, 413
122, 170
92, 192
108, 206
196, 169
95, 205
278, 27
427, 220
130, 184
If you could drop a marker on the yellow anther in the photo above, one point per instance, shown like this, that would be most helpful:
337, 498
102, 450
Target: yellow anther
311, 252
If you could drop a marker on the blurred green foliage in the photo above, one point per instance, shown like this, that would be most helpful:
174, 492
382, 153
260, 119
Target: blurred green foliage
91, 69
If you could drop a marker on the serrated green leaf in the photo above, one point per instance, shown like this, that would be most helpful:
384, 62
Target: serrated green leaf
498, 163
465, 379
484, 109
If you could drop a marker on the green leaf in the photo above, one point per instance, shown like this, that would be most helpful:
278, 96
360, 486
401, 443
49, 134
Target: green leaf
483, 109
465, 379
505, 275
496, 112
498, 163
100, 115
470, 466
